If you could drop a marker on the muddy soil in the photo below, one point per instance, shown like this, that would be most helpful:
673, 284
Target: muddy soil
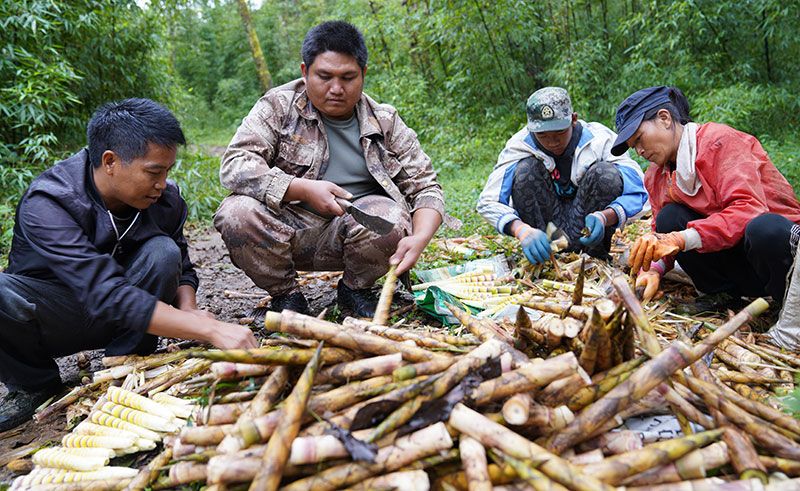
224, 290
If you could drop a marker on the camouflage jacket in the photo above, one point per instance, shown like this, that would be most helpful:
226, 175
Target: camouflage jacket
283, 138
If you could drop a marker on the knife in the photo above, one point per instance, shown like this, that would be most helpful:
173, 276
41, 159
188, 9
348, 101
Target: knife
377, 224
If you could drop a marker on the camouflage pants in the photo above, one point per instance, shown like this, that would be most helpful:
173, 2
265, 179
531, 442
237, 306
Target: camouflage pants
271, 247
535, 199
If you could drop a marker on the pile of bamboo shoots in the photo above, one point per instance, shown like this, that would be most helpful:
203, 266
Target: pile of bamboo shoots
534, 402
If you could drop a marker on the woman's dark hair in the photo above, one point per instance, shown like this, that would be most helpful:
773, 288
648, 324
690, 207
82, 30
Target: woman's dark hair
126, 128
334, 35
678, 107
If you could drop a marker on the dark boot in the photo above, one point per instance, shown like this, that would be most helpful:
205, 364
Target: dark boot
294, 301
713, 303
18, 405
361, 302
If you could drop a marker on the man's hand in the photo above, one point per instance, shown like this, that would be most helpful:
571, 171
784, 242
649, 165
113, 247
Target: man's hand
317, 194
232, 336
407, 253
201, 313
649, 282
534, 242
596, 223
652, 247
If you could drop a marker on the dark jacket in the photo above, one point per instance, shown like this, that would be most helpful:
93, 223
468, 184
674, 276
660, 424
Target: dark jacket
63, 233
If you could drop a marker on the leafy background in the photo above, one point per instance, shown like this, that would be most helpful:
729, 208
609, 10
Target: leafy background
458, 70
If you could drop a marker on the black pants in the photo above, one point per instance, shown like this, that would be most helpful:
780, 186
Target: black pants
41, 320
756, 266
537, 203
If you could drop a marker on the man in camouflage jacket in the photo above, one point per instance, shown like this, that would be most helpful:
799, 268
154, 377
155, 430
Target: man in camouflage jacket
304, 144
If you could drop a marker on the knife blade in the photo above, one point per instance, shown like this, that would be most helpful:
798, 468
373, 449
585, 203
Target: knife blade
377, 224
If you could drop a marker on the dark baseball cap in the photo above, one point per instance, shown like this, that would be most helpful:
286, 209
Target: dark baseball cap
632, 110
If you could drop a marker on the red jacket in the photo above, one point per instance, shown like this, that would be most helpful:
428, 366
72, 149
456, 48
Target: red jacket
739, 183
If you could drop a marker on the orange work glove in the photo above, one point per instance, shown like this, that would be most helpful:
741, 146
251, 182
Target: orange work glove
652, 247
649, 281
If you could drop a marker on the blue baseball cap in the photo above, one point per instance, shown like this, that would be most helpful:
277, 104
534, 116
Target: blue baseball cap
631, 113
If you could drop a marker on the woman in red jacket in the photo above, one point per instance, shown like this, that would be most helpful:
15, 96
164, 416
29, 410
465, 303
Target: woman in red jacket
721, 207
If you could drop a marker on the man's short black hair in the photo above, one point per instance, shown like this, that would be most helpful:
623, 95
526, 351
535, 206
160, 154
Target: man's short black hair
334, 35
126, 128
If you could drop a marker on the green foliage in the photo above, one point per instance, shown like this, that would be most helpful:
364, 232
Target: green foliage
196, 173
61, 59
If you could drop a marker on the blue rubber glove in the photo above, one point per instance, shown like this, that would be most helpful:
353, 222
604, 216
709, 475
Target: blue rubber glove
535, 244
596, 224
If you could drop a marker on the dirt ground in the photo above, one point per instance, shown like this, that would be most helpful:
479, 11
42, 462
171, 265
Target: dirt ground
224, 290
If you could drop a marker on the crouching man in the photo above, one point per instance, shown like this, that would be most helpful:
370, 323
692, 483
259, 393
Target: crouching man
99, 259
303, 145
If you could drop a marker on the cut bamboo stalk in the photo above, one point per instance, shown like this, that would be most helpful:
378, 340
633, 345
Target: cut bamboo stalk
360, 369
277, 453
313, 328
404, 451
149, 472
585, 458
545, 420
172, 377
535, 479
186, 472
496, 436
566, 309
577, 295
384, 306
490, 349
788, 467
693, 465
559, 392
228, 370
275, 355
73, 395
676, 357
473, 461
766, 437
591, 335
409, 372
421, 339
743, 456
587, 395
411, 480
204, 436
527, 378
517, 408
615, 469
615, 442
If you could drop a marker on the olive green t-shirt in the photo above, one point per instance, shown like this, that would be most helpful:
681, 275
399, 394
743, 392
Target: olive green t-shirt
346, 165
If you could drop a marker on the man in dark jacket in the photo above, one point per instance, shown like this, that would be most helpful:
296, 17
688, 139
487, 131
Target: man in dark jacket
99, 260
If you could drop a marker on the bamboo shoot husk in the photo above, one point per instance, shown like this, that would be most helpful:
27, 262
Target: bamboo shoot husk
473, 460
743, 456
591, 335
277, 452
204, 435
423, 368
421, 338
615, 442
493, 435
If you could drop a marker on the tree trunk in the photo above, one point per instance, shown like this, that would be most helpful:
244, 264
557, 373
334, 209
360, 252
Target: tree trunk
255, 47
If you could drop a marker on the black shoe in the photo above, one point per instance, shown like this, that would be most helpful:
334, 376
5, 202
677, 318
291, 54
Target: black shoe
18, 405
361, 302
712, 303
294, 301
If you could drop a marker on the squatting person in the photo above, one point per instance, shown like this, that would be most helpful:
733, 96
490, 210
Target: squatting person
99, 259
560, 169
306, 143
721, 207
